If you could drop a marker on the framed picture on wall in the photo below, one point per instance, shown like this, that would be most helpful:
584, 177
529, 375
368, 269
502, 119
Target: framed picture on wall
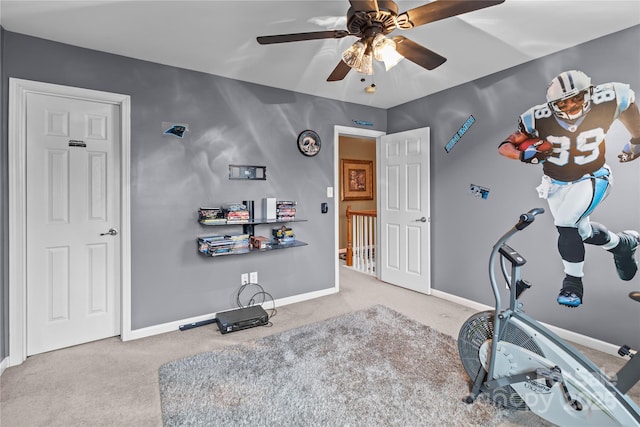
357, 179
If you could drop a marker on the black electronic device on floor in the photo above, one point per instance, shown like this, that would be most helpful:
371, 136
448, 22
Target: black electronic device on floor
241, 318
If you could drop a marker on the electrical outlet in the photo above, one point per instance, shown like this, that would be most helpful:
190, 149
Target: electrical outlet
244, 278
253, 277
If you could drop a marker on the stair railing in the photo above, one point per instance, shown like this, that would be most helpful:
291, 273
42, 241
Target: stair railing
361, 226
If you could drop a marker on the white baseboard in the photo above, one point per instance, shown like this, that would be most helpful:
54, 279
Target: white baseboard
305, 297
565, 334
173, 326
459, 300
4, 364
584, 340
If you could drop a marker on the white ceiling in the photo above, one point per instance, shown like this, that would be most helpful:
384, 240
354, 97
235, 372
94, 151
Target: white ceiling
219, 37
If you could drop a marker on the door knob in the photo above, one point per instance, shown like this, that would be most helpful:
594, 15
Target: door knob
111, 232
423, 219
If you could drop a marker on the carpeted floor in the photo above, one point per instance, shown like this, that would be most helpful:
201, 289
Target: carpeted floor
115, 383
370, 367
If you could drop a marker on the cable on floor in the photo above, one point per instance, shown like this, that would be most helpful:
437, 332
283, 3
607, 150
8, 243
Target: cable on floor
259, 297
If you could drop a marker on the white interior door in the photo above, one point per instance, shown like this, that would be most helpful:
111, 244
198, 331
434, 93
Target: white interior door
73, 267
404, 215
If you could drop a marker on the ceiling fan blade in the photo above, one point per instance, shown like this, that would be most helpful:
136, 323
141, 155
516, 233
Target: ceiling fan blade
364, 5
340, 72
441, 9
284, 38
417, 53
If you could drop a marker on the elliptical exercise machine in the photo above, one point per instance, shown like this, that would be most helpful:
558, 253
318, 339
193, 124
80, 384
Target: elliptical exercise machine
521, 364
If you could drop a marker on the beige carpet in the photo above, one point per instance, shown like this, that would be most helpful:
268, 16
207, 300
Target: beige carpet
115, 383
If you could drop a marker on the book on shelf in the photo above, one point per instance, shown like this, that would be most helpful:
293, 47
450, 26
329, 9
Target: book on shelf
285, 210
222, 245
236, 213
210, 215
213, 221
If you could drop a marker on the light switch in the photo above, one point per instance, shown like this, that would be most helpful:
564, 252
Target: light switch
329, 192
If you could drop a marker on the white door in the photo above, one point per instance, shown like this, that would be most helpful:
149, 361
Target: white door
404, 209
73, 267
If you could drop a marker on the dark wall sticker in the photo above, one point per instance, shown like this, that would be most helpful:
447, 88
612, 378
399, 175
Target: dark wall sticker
175, 129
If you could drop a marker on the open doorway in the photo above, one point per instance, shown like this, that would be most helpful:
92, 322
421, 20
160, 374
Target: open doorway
355, 154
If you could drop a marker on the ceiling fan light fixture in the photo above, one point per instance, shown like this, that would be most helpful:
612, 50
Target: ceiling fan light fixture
372, 21
384, 50
354, 55
392, 59
366, 66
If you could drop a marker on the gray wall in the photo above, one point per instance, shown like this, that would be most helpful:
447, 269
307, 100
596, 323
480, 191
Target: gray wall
234, 122
465, 228
230, 122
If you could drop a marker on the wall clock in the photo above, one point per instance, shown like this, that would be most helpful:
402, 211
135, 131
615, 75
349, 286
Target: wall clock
309, 143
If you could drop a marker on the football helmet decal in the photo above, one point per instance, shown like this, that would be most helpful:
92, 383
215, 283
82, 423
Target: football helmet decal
569, 94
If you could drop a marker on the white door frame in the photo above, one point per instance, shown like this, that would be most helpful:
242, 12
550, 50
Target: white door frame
337, 132
18, 90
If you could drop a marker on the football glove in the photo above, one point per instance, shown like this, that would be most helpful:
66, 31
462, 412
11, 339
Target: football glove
630, 151
533, 156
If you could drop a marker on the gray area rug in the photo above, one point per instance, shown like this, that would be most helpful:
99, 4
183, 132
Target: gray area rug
370, 367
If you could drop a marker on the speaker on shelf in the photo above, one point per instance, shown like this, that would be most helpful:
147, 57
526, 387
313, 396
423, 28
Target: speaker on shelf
249, 205
269, 208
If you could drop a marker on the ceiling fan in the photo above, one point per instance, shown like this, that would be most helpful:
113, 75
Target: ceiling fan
371, 21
